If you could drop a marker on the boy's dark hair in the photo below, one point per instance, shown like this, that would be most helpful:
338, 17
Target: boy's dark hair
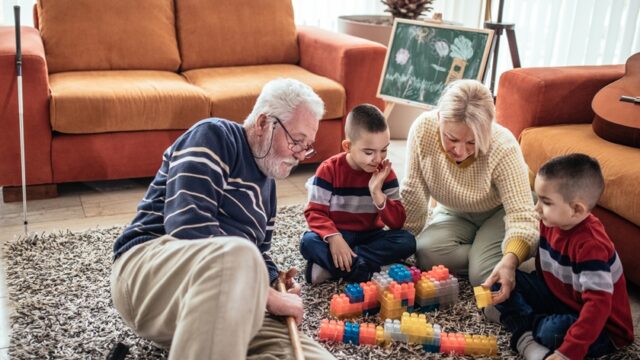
577, 176
364, 117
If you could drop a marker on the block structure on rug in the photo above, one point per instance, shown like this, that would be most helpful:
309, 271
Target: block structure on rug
394, 294
396, 291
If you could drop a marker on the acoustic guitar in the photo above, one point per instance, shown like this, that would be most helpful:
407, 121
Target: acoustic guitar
617, 107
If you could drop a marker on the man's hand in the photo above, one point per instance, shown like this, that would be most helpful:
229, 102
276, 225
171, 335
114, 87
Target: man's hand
377, 180
503, 273
290, 282
341, 252
285, 304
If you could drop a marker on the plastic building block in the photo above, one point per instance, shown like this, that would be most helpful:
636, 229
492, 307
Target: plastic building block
354, 292
331, 330
370, 305
453, 343
367, 334
400, 273
342, 308
415, 274
351, 333
483, 296
438, 273
480, 345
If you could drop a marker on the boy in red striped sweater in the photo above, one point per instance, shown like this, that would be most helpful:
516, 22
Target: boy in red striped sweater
352, 197
575, 304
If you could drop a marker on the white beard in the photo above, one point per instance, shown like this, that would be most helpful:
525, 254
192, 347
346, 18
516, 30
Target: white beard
278, 167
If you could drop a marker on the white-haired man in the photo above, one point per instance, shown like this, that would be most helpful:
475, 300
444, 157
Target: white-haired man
191, 272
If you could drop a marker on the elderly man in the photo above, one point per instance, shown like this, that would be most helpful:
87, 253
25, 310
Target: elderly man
192, 272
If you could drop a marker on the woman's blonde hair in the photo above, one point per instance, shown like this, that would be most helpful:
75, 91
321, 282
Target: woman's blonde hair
470, 102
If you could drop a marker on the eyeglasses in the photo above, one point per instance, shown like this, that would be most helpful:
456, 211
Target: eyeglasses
297, 146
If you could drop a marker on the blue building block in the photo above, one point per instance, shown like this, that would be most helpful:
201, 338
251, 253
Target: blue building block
351, 333
400, 273
354, 292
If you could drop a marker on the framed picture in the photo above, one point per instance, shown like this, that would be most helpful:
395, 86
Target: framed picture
422, 58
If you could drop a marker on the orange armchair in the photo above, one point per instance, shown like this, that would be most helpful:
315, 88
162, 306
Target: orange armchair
549, 109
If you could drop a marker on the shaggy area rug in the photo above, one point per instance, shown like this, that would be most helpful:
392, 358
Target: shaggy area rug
60, 303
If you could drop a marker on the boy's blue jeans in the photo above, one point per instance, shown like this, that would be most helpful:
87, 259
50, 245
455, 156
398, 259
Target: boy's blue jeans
374, 249
532, 307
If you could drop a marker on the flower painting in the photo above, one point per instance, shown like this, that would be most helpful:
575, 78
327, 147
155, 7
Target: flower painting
422, 58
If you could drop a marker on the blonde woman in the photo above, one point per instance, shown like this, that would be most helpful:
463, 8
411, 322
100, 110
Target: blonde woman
484, 224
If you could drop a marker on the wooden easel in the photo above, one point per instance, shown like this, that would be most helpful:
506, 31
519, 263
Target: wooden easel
498, 27
388, 108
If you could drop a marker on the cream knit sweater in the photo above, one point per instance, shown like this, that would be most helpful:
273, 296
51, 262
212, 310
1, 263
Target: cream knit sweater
499, 177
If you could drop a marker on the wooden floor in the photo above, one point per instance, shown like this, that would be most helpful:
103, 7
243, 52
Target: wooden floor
82, 206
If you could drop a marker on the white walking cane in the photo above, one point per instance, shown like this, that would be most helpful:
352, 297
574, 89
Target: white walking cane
16, 12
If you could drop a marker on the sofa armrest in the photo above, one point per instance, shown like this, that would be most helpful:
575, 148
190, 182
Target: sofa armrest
553, 95
35, 90
354, 62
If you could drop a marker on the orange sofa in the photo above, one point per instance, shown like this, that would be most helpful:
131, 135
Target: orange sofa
550, 110
109, 85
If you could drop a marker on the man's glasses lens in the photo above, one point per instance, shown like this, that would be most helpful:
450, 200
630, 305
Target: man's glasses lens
296, 146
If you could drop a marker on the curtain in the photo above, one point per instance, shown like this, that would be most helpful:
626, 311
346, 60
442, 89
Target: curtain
548, 32
26, 12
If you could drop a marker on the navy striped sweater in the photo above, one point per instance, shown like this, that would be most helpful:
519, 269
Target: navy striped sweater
208, 185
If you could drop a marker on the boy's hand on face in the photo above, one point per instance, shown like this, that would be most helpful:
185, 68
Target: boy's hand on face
377, 180
341, 252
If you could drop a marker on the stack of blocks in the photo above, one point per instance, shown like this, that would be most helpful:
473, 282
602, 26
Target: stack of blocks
411, 329
396, 291
394, 294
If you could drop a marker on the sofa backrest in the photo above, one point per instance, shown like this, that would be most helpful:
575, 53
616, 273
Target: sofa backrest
109, 34
216, 33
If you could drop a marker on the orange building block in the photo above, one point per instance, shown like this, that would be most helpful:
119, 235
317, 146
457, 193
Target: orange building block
341, 308
367, 334
370, 291
439, 273
331, 330
453, 343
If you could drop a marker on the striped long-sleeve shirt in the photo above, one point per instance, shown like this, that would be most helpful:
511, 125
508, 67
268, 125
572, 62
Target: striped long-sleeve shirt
339, 199
582, 269
208, 185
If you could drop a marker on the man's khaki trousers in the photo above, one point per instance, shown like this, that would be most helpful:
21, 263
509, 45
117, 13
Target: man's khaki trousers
203, 299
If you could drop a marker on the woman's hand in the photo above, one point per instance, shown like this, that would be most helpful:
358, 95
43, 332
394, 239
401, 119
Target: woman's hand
341, 252
503, 273
377, 180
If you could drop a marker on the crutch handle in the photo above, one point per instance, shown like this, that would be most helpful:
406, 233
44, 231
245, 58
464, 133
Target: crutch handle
16, 14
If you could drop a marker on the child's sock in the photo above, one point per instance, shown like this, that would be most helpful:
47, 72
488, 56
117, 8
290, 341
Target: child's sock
316, 274
529, 348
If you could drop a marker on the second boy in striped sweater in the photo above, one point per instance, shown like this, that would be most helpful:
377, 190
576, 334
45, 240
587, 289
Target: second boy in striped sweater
575, 304
352, 197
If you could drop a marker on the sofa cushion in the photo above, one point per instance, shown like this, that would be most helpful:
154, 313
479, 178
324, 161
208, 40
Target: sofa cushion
233, 91
109, 35
620, 164
85, 102
214, 33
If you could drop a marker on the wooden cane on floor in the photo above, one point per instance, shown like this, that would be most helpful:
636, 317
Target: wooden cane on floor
291, 324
